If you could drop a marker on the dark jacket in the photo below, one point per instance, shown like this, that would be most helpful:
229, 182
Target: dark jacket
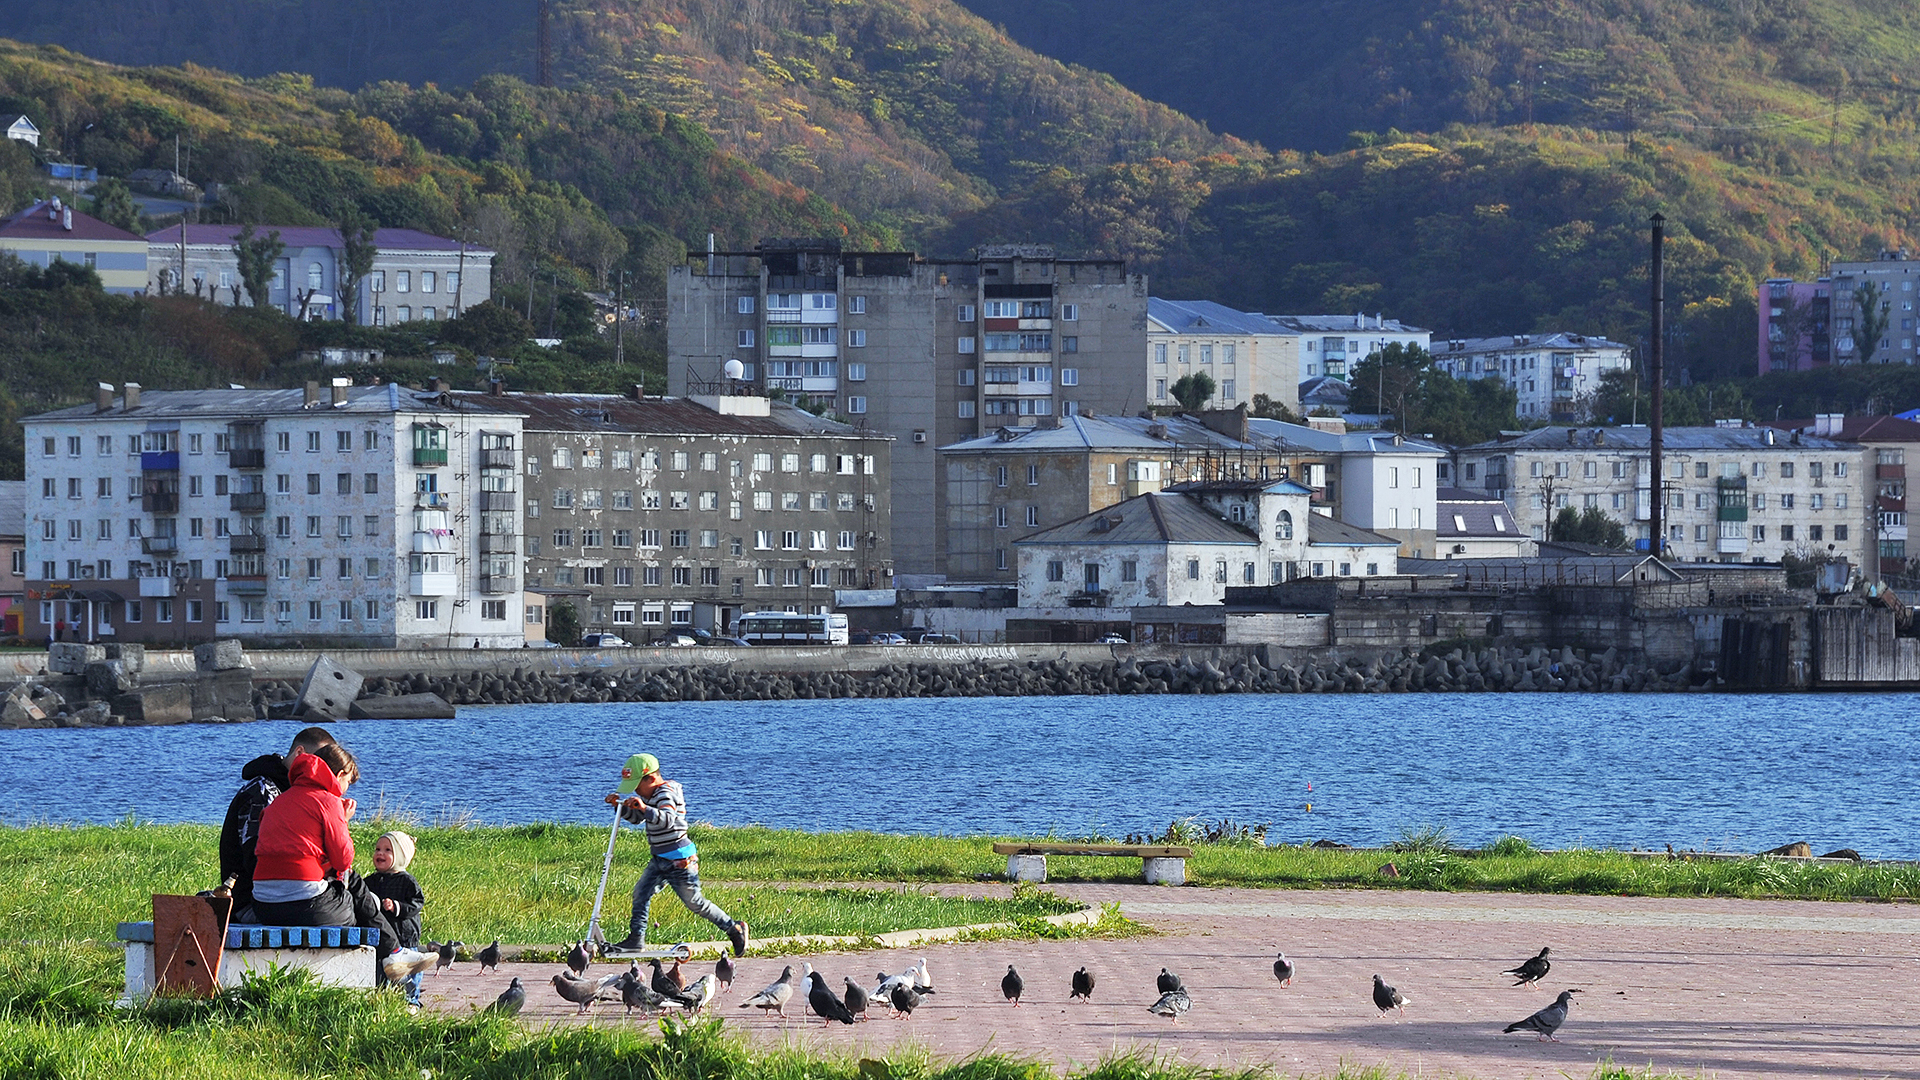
400, 887
264, 778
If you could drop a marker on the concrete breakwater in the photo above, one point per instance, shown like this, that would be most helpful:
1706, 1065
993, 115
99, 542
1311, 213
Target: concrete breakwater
1207, 671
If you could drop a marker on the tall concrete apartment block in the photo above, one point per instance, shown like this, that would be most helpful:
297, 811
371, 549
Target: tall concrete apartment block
930, 351
371, 516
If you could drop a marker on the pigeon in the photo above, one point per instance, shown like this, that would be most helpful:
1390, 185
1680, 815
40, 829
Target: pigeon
856, 999
1082, 985
806, 976
581, 992
511, 999
662, 982
447, 951
1168, 982
905, 999
579, 958
1012, 985
723, 971
635, 994
1173, 1004
403, 962
1533, 970
775, 996
1386, 997
912, 977
1283, 970
490, 957
679, 980
700, 993
827, 1007
1548, 1020
922, 978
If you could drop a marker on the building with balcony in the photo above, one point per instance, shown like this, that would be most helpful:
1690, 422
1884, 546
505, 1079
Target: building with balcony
345, 516
1796, 324
1731, 494
1244, 353
660, 514
1331, 344
1889, 280
928, 351
1887, 441
50, 232
416, 276
1554, 375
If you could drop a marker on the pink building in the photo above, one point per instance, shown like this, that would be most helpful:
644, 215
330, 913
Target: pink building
1796, 321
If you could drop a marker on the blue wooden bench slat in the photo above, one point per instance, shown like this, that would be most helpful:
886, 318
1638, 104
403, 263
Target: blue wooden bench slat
250, 936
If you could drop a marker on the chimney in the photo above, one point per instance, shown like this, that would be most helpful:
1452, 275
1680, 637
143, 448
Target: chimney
496, 387
1570, 434
131, 391
638, 391
340, 392
66, 219
440, 386
103, 397
53, 209
1599, 436
311, 399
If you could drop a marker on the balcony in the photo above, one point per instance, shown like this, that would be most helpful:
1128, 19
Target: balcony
246, 584
250, 457
160, 461
248, 502
1732, 545
496, 459
496, 584
432, 543
157, 586
1087, 598
431, 500
498, 544
780, 316
429, 455
497, 500
432, 584
160, 502
1890, 472
240, 543
160, 545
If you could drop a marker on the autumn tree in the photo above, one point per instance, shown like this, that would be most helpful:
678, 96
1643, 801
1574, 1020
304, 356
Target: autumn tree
256, 255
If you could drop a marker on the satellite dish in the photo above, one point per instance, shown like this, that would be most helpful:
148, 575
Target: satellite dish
735, 369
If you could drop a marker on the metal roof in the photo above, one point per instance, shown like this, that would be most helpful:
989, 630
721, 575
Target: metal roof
1345, 324
13, 508
1477, 512
299, 236
615, 413
1640, 439
1153, 518
1205, 316
1324, 531
1522, 342
34, 224
1115, 433
1867, 429
244, 404
1302, 437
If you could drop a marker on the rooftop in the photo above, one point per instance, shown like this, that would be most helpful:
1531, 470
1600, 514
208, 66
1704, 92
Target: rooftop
1324, 531
1349, 324
39, 222
1511, 342
1639, 439
248, 403
299, 236
1153, 518
1112, 433
1313, 440
1869, 429
655, 416
1205, 316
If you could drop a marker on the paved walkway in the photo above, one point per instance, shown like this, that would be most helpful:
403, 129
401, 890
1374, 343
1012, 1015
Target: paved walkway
1724, 988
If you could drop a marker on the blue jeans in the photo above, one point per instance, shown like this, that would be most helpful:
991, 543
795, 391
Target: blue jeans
661, 873
413, 987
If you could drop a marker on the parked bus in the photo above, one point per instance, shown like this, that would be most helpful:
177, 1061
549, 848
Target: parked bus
791, 628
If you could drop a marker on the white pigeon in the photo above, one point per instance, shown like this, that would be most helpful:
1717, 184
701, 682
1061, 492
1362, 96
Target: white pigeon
404, 962
909, 977
806, 972
923, 979
702, 992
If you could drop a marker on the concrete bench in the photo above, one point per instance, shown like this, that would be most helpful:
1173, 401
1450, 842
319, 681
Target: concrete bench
337, 955
1161, 864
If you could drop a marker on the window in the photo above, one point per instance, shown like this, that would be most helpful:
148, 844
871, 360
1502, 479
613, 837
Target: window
677, 538
966, 345
313, 442
999, 517
313, 526
965, 312
743, 339
965, 410
1193, 569
1284, 529
1816, 533
856, 404
562, 538
1033, 517
763, 500
1786, 470
426, 609
590, 538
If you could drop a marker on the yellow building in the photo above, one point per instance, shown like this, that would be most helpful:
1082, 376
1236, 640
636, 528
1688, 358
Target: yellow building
50, 232
1244, 353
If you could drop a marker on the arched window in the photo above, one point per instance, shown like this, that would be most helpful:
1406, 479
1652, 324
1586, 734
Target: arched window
1286, 526
315, 276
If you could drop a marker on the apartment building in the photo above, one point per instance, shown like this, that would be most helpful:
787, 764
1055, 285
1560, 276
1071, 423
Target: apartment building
1796, 324
49, 232
1891, 279
1886, 441
1373, 480
1555, 376
657, 514
416, 276
1332, 344
929, 351
13, 550
354, 516
1245, 354
1732, 494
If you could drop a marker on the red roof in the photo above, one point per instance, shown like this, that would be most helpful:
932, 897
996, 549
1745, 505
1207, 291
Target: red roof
34, 224
299, 236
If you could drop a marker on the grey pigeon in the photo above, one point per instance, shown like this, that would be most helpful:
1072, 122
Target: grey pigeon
579, 958
635, 994
1173, 1004
1386, 997
579, 991
775, 996
1082, 985
1283, 970
1012, 985
662, 982
723, 971
1168, 982
511, 999
490, 957
447, 951
856, 999
1548, 1020
700, 993
827, 1007
1533, 970
905, 999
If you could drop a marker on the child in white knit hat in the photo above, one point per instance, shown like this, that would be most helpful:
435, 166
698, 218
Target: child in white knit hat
401, 897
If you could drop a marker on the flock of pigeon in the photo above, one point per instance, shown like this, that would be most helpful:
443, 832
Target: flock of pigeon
668, 989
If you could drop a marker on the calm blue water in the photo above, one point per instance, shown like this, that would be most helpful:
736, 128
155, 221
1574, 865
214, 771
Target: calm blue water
1739, 772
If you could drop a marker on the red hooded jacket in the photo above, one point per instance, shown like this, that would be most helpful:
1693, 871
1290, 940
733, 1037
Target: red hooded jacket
303, 833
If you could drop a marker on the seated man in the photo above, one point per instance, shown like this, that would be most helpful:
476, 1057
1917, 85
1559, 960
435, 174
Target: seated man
265, 779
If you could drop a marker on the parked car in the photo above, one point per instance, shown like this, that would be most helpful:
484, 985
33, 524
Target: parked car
940, 639
723, 639
604, 641
1114, 639
885, 637
677, 639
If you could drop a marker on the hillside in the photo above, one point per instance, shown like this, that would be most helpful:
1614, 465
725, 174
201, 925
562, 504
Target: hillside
901, 111
1738, 75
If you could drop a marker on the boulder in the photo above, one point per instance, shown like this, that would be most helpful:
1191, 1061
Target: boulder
1798, 849
401, 707
109, 677
1843, 853
132, 657
330, 689
166, 703
72, 657
222, 695
92, 714
219, 656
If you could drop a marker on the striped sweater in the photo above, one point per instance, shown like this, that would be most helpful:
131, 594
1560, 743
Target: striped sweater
665, 814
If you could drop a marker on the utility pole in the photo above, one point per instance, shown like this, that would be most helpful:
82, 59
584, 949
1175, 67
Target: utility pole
620, 319
1656, 520
544, 71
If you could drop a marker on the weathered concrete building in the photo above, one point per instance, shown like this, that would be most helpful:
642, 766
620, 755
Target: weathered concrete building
1553, 376
930, 351
657, 514
356, 517
1246, 354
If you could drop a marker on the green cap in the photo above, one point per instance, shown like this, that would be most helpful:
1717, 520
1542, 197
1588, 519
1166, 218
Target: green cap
636, 767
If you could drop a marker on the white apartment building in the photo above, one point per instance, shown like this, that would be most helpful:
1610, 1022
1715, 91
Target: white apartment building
368, 516
1244, 353
1332, 344
1732, 494
1555, 375
1374, 480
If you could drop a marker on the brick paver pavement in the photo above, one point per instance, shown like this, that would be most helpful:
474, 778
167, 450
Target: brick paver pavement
1726, 988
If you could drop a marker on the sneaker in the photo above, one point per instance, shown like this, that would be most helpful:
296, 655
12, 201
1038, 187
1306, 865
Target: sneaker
737, 933
630, 943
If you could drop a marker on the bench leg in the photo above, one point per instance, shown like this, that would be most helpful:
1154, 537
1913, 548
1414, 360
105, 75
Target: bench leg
1166, 871
1027, 868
